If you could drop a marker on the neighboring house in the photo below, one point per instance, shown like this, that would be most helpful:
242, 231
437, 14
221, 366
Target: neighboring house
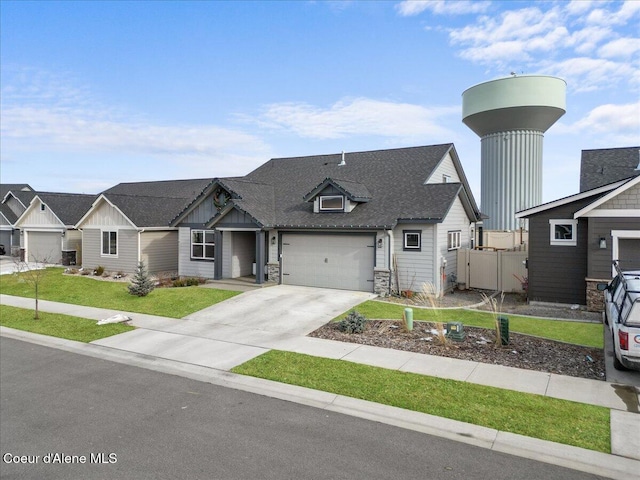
11, 207
47, 227
129, 223
573, 240
371, 221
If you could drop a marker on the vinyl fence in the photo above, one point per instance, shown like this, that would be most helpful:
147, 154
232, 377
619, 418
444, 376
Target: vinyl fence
501, 270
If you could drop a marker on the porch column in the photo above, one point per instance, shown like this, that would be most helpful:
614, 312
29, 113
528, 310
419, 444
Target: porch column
260, 256
217, 256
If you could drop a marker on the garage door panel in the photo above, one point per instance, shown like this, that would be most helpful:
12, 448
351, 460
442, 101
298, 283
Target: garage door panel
629, 253
44, 246
329, 261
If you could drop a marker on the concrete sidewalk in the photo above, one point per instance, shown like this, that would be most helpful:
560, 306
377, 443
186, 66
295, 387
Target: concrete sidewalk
204, 341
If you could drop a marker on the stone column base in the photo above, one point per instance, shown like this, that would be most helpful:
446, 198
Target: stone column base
595, 298
273, 272
383, 281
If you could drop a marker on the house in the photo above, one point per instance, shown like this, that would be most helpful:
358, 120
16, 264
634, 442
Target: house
373, 221
14, 199
573, 240
129, 223
47, 227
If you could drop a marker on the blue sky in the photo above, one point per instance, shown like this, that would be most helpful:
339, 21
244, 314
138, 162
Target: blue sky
96, 93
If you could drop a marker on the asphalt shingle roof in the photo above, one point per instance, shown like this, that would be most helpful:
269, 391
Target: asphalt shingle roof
13, 187
155, 204
394, 179
605, 166
68, 207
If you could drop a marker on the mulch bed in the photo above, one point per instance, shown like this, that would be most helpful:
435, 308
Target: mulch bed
523, 351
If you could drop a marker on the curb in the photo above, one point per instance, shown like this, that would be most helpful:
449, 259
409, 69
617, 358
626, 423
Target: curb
576, 458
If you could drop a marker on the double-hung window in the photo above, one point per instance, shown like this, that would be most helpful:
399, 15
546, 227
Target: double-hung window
109, 243
453, 240
202, 244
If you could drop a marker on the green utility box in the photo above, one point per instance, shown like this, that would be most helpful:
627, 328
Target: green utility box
504, 329
455, 331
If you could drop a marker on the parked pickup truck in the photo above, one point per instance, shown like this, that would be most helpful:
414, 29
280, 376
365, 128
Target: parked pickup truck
622, 314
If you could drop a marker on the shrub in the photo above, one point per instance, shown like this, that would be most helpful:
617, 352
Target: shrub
352, 323
192, 281
179, 283
141, 284
98, 271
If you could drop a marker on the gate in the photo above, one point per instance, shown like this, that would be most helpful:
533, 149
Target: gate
492, 270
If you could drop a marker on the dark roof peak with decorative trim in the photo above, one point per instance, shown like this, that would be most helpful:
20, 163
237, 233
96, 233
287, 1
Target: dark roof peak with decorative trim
607, 165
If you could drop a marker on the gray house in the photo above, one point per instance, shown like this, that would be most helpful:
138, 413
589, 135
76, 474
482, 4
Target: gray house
129, 223
371, 221
573, 240
47, 227
14, 199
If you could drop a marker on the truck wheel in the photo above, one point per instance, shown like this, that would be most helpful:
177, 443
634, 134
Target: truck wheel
617, 365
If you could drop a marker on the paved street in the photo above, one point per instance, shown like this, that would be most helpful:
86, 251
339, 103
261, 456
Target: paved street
164, 426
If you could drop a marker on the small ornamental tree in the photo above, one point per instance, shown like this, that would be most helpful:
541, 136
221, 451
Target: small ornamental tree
141, 284
32, 273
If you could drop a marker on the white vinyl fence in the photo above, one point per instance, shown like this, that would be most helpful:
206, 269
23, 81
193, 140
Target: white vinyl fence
492, 270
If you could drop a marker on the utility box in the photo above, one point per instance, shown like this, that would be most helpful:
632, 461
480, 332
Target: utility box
455, 331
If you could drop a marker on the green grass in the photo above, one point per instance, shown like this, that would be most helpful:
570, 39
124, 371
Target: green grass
56, 325
78, 290
579, 333
561, 421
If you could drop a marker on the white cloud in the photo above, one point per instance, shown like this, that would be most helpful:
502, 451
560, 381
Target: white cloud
621, 48
614, 124
54, 116
359, 116
584, 74
409, 8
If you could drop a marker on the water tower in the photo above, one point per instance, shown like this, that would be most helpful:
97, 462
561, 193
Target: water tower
510, 115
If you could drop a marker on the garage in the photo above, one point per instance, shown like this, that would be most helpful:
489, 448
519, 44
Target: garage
342, 261
629, 253
44, 247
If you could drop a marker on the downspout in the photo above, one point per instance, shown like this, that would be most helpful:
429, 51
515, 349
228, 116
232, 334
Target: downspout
140, 247
390, 261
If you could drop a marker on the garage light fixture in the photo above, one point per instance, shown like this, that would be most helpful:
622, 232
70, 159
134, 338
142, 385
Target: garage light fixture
603, 243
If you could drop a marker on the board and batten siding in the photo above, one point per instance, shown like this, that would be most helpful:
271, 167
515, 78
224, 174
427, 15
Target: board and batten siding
186, 266
456, 220
415, 268
159, 251
201, 213
125, 261
37, 218
446, 167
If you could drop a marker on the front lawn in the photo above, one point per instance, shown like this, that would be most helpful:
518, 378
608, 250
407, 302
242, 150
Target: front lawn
546, 418
587, 334
56, 325
78, 290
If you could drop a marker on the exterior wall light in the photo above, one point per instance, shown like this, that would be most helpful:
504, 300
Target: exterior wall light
273, 240
603, 243
379, 243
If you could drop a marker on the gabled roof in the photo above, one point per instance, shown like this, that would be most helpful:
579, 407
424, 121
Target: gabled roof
68, 208
595, 192
13, 187
355, 191
605, 166
8, 214
150, 204
626, 185
393, 181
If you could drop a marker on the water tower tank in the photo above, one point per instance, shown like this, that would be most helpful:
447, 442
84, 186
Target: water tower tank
510, 115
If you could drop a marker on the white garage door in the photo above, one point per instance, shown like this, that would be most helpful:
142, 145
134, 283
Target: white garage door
44, 247
330, 261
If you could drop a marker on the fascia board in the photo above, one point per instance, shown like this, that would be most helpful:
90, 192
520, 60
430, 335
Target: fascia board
32, 206
612, 194
95, 205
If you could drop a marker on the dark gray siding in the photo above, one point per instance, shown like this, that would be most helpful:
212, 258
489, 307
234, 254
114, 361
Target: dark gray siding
557, 273
599, 260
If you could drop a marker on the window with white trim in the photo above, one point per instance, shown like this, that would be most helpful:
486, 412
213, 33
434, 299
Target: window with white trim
331, 203
412, 240
446, 178
454, 239
109, 243
563, 232
202, 244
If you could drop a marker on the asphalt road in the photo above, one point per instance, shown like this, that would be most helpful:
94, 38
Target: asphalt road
127, 422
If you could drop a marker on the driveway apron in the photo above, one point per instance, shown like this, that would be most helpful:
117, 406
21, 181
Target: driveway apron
239, 329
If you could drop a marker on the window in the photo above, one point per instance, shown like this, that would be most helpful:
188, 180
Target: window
563, 232
43, 207
109, 243
446, 178
412, 240
203, 244
453, 240
332, 203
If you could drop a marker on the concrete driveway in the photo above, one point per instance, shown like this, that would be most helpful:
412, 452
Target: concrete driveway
239, 329
284, 309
